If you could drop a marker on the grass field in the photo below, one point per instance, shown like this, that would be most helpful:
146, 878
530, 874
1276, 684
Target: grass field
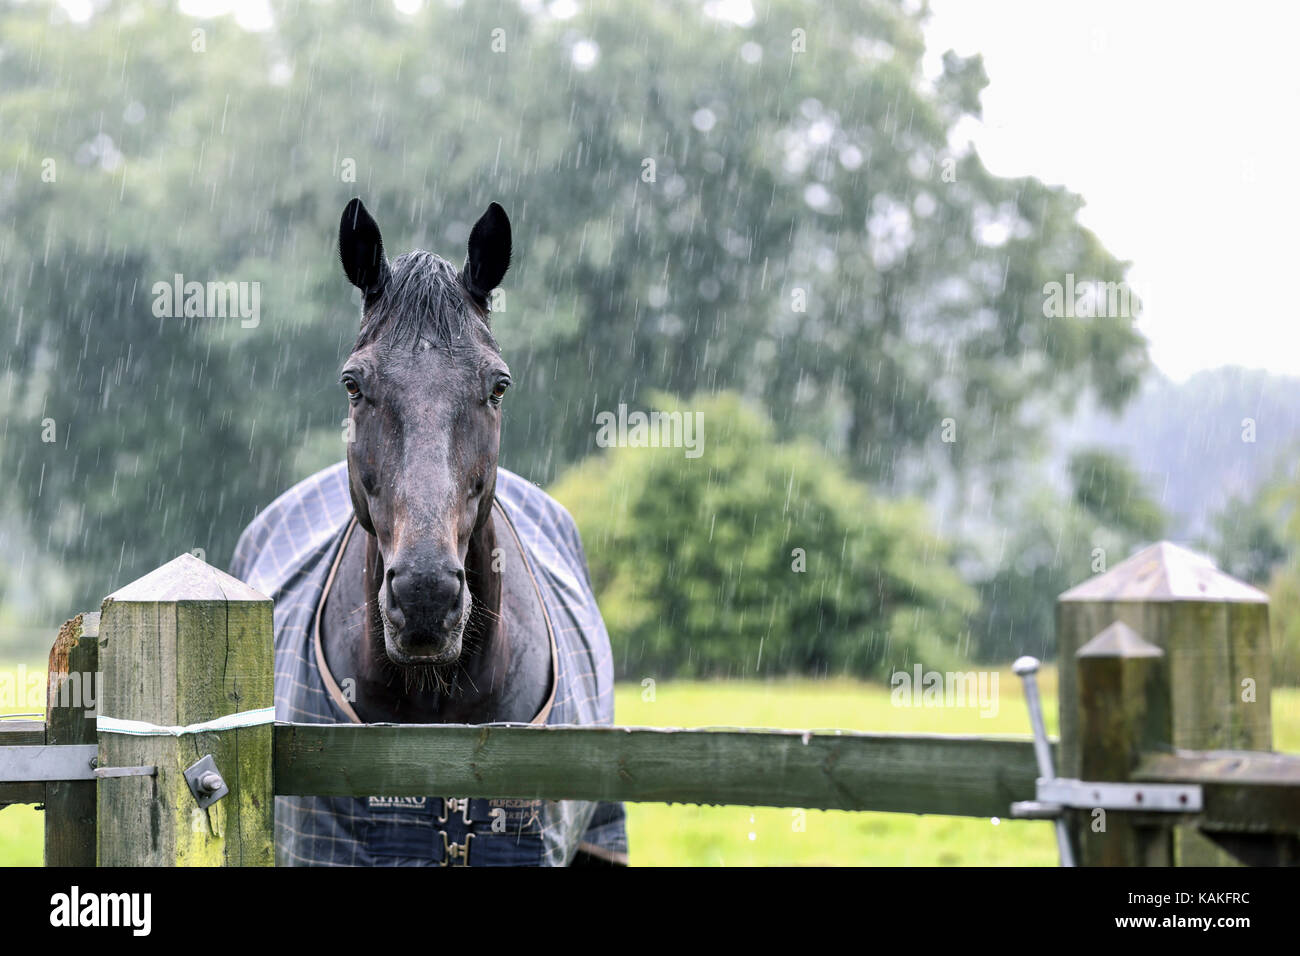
744, 836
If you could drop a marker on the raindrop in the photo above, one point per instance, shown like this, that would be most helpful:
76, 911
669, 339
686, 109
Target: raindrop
585, 54
850, 157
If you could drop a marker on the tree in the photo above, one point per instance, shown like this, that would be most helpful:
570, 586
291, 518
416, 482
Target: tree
1249, 538
1284, 616
1055, 543
1106, 488
1259, 540
759, 557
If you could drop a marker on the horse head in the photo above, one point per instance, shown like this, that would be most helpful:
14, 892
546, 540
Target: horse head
424, 384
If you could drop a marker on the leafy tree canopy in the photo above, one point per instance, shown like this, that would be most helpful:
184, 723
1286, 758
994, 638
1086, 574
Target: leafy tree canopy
1056, 541
759, 557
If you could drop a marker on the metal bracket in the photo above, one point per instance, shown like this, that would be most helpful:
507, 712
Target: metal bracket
52, 763
205, 781
1033, 810
48, 763
1059, 793
103, 773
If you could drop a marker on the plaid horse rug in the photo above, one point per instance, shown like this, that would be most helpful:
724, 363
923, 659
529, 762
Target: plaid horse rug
288, 553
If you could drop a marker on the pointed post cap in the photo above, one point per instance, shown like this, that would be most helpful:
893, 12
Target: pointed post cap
1119, 640
185, 578
1165, 572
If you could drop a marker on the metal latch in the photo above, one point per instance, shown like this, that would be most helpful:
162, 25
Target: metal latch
1027, 668
1060, 793
1156, 797
1054, 795
206, 782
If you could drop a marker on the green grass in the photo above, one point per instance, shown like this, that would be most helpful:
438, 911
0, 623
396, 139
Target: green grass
746, 836
660, 835
22, 837
22, 833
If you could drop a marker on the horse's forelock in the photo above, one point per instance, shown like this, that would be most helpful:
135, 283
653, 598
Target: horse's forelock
424, 298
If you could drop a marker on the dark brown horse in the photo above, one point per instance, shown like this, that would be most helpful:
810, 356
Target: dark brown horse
432, 611
423, 584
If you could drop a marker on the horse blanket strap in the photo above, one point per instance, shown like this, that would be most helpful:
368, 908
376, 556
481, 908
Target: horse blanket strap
289, 552
142, 728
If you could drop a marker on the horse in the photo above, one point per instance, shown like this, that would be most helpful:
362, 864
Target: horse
420, 582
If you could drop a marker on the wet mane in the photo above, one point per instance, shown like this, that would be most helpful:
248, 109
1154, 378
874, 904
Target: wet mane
424, 298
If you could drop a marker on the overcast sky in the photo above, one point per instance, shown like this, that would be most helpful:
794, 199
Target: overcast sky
1179, 124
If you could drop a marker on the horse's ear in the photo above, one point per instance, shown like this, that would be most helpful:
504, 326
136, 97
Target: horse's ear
489, 254
361, 249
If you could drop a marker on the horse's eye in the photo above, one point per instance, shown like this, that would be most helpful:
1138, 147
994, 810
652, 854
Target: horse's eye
499, 390
350, 383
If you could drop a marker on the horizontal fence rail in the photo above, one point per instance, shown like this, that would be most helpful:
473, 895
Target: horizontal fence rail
22, 733
903, 773
1243, 790
833, 770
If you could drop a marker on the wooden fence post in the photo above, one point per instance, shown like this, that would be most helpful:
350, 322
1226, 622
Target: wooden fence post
185, 644
72, 690
1123, 689
1214, 632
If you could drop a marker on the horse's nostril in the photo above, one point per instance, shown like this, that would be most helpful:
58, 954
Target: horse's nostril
427, 598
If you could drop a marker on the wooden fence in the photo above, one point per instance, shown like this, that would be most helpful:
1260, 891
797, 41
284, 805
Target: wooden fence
1164, 680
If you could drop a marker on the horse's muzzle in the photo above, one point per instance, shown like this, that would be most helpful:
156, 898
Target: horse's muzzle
424, 614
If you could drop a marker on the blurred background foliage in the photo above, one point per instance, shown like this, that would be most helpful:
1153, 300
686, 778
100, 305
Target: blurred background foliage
760, 556
800, 241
